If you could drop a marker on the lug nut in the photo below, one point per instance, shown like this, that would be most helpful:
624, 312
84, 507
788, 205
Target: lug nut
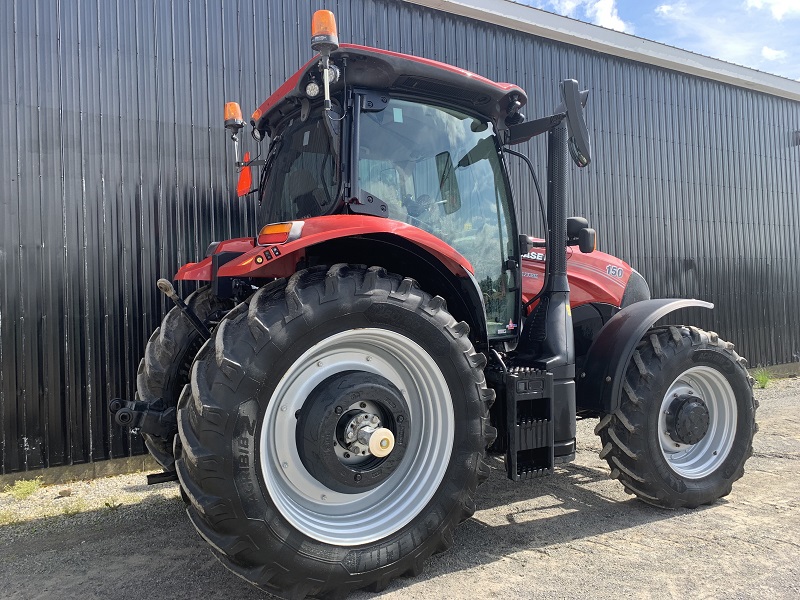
363, 405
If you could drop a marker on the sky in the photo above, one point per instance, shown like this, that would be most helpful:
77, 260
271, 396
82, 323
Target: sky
761, 34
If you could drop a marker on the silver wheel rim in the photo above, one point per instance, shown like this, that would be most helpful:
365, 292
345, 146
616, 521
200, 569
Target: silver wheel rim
695, 461
351, 519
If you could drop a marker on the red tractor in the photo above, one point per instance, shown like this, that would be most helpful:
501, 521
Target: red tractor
329, 398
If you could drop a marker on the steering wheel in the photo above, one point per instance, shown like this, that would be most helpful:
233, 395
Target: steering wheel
419, 205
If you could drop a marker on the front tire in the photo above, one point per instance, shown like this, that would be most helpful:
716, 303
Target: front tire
168, 356
276, 486
685, 424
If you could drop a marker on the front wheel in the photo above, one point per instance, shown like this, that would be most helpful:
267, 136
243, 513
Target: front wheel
685, 424
336, 432
164, 369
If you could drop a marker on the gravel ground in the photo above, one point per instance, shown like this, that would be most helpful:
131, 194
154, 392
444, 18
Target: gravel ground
576, 534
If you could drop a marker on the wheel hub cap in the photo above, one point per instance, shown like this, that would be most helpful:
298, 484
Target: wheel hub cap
687, 419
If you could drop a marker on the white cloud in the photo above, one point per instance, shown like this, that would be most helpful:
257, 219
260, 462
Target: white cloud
771, 54
600, 12
672, 10
604, 13
565, 7
706, 33
778, 8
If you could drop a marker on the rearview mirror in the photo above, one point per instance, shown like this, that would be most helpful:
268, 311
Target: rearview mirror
579, 142
448, 184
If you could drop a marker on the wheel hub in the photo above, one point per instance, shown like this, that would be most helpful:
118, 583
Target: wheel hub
687, 419
364, 434
351, 431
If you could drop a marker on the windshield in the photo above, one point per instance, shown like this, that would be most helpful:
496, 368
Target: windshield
438, 169
302, 172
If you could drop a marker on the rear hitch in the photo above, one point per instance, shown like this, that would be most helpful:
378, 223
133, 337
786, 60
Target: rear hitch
145, 417
169, 291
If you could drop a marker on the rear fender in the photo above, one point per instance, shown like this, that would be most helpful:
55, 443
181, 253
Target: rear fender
600, 383
280, 260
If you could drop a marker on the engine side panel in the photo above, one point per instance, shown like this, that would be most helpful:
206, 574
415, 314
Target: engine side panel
593, 278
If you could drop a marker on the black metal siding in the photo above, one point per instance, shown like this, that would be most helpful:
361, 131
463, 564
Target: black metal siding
116, 170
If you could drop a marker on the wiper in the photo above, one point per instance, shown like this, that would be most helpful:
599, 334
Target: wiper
274, 146
335, 138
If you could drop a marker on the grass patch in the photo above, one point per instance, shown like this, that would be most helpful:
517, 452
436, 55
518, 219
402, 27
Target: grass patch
24, 488
112, 503
762, 377
78, 505
7, 517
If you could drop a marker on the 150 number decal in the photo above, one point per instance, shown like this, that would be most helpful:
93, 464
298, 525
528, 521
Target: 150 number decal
614, 271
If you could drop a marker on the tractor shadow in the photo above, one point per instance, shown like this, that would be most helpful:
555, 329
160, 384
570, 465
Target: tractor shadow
150, 549
576, 503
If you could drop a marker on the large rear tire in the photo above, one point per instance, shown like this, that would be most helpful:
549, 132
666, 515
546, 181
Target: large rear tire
276, 487
685, 424
165, 368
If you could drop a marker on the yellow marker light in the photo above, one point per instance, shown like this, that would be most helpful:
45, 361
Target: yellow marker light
279, 233
323, 31
233, 116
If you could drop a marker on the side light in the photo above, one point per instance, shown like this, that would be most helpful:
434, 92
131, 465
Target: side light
279, 233
323, 31
312, 89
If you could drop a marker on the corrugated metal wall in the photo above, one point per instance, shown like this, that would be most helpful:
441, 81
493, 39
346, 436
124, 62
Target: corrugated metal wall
115, 170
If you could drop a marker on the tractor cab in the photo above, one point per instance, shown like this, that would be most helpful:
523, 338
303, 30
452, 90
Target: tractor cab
407, 139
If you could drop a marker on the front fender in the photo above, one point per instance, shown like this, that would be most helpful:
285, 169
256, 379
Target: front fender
600, 384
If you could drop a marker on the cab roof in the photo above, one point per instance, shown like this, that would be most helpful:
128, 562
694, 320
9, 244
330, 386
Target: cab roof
399, 73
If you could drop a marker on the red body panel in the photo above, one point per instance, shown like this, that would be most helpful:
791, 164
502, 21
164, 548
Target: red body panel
594, 277
280, 260
281, 93
291, 85
504, 87
201, 271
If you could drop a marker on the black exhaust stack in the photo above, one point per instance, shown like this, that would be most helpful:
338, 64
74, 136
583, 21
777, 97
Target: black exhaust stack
547, 341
